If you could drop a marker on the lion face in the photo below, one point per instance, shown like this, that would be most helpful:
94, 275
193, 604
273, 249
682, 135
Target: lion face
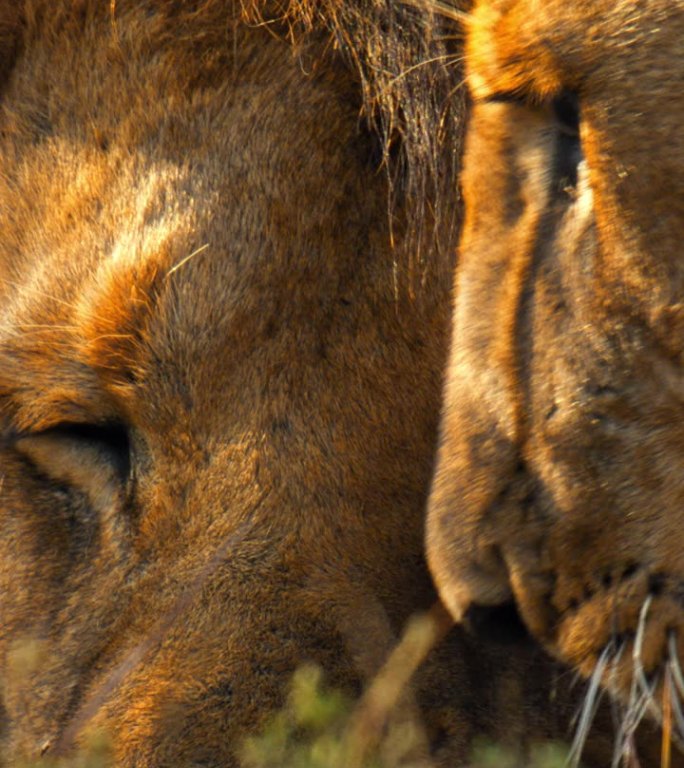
217, 420
560, 479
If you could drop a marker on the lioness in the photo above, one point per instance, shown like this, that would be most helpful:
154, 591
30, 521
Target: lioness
560, 480
219, 378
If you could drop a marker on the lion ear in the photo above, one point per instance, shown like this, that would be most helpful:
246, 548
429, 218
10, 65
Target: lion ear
11, 24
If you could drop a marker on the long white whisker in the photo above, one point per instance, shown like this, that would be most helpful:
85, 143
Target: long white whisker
639, 674
187, 258
674, 662
626, 748
615, 705
589, 708
675, 688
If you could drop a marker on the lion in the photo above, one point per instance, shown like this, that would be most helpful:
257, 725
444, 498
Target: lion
559, 486
225, 267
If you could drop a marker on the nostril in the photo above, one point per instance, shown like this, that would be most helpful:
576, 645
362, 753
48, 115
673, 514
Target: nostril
497, 623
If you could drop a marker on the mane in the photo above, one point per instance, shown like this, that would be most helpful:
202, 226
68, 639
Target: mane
407, 55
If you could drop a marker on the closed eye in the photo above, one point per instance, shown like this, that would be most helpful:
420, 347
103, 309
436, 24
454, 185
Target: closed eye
565, 112
568, 155
111, 439
92, 458
566, 108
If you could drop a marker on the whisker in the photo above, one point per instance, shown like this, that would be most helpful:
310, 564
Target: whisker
633, 717
676, 706
461, 84
112, 336
644, 706
588, 711
615, 706
666, 742
186, 259
624, 741
674, 661
619, 745
639, 674
440, 8
450, 59
640, 700
611, 683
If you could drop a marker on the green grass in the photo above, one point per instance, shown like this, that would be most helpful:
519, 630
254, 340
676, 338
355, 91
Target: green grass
311, 731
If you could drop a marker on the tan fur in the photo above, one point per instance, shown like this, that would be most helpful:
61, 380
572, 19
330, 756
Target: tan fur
560, 477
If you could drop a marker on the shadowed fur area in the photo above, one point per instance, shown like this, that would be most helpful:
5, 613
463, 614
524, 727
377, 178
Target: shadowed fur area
225, 264
560, 481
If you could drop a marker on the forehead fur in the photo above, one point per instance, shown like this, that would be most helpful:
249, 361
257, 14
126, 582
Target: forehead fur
81, 173
74, 325
408, 78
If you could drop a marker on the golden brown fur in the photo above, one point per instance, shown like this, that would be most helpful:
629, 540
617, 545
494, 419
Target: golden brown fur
560, 481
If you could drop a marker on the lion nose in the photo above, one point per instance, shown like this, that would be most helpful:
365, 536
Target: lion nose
467, 569
498, 624
465, 581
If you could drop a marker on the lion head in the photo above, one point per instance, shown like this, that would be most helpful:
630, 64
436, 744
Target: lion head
560, 478
209, 391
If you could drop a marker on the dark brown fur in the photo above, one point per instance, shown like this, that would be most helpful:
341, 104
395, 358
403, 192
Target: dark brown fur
560, 480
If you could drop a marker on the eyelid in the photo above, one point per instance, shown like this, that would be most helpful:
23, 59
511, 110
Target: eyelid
110, 439
65, 462
565, 107
503, 97
110, 432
